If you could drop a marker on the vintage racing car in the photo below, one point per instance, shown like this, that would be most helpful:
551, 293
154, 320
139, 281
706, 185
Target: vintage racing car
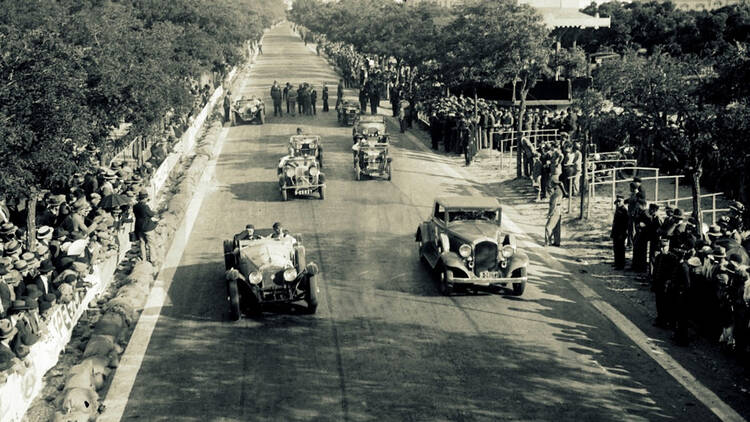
306, 146
463, 244
248, 110
347, 112
265, 270
370, 126
371, 157
299, 174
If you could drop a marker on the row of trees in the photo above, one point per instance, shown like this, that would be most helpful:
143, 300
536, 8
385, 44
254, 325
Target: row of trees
490, 42
683, 102
73, 70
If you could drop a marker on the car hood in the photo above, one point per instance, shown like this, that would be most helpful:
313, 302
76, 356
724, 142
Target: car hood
266, 255
473, 229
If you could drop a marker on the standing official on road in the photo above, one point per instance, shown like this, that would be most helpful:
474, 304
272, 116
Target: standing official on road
286, 96
339, 93
313, 100
324, 97
553, 228
276, 97
144, 226
292, 100
227, 105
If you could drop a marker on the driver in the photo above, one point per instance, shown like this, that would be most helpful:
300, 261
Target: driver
247, 234
278, 231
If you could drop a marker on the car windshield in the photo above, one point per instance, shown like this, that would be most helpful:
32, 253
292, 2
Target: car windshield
465, 215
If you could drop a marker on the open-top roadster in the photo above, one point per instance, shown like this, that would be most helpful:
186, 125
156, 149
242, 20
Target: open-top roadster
371, 157
370, 126
306, 146
299, 174
347, 112
248, 110
265, 270
463, 244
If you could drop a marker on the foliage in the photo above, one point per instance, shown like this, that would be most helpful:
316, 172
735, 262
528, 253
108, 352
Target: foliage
73, 70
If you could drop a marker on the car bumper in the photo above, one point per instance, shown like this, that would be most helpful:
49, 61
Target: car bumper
304, 190
486, 282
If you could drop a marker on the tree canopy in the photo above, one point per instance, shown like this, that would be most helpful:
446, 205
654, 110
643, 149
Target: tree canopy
73, 70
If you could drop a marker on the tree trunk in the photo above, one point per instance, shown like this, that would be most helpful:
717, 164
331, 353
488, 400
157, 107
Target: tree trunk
31, 222
584, 188
521, 112
695, 175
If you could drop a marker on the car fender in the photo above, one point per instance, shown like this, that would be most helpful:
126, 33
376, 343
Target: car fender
423, 227
452, 261
518, 260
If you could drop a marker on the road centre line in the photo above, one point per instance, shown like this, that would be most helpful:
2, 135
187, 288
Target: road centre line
722, 410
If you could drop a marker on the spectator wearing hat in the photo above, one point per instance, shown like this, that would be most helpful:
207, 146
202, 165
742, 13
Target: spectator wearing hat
553, 228
46, 303
25, 313
640, 238
6, 292
43, 280
738, 279
144, 226
7, 232
7, 334
665, 265
12, 248
678, 295
714, 233
619, 232
653, 223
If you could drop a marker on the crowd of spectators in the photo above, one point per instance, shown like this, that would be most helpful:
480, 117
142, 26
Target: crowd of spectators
697, 272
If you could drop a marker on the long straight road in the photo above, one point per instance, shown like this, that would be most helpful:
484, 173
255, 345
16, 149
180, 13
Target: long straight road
384, 345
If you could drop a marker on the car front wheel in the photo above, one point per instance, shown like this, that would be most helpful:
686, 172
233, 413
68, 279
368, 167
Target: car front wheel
446, 285
234, 300
518, 288
311, 296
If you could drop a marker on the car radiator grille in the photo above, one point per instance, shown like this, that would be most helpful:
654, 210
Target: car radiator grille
485, 257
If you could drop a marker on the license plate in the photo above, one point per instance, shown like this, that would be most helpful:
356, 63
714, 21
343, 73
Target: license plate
488, 274
303, 192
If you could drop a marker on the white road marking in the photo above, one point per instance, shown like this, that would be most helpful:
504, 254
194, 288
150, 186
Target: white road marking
131, 361
722, 410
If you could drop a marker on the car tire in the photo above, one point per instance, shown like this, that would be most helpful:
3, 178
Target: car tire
389, 172
284, 195
444, 284
228, 254
253, 302
320, 161
301, 258
518, 288
232, 120
357, 172
311, 295
234, 300
322, 191
262, 116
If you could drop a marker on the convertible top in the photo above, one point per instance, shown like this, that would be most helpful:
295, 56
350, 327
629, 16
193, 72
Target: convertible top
469, 202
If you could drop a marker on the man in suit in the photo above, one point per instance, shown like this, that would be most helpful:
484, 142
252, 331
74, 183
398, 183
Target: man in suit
227, 105
619, 232
553, 228
276, 97
144, 226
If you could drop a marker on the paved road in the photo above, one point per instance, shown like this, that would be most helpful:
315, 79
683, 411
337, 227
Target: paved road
384, 344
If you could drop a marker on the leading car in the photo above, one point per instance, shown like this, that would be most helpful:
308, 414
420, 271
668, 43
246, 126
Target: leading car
463, 244
267, 269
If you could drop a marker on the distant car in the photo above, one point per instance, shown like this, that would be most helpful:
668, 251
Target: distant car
299, 173
462, 242
267, 270
370, 126
248, 110
306, 146
371, 157
347, 112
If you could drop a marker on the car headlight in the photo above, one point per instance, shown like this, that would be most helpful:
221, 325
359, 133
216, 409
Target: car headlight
314, 171
290, 274
464, 250
289, 172
508, 251
255, 277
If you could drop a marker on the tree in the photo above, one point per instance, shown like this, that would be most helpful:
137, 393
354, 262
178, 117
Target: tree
591, 103
498, 42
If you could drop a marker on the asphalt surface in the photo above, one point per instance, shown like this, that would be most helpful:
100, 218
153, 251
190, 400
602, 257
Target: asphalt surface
384, 345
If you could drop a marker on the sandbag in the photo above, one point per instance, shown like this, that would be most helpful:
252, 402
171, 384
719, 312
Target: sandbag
80, 378
74, 417
125, 307
101, 345
111, 324
82, 400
